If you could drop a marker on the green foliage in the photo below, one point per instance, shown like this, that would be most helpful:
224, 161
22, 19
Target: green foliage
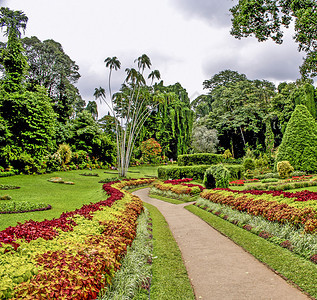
151, 151
178, 172
31, 121
265, 20
199, 159
227, 154
65, 153
249, 164
216, 177
284, 169
269, 137
299, 144
204, 140
171, 125
15, 207
12, 57
236, 171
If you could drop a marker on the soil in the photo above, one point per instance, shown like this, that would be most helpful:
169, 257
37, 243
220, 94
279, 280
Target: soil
216, 266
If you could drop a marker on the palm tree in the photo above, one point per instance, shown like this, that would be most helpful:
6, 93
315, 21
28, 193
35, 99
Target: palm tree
154, 74
100, 94
112, 63
143, 61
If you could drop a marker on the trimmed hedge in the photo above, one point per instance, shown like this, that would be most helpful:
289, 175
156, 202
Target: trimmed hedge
199, 159
195, 172
178, 172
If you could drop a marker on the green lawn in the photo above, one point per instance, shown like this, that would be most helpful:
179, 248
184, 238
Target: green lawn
62, 197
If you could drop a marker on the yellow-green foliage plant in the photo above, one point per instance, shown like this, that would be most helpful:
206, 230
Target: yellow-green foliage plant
284, 169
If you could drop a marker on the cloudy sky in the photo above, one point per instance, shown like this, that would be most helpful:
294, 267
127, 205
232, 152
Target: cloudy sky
188, 41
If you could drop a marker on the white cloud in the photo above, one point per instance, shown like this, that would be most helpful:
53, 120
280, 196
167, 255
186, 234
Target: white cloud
188, 41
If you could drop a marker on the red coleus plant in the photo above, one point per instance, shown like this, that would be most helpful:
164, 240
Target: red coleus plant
183, 182
81, 271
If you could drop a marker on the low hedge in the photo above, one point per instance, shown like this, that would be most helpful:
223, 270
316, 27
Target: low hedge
195, 172
199, 159
178, 172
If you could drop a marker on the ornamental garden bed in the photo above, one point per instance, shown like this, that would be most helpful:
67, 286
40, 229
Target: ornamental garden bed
286, 219
73, 256
178, 189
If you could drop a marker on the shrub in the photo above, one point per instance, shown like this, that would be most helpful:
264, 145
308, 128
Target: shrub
151, 151
236, 171
299, 143
65, 153
217, 177
249, 164
5, 197
227, 154
284, 169
178, 172
199, 159
269, 180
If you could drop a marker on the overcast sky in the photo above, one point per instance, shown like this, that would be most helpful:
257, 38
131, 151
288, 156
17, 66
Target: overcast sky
188, 41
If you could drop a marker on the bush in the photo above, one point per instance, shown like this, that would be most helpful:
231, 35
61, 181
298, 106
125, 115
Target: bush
178, 172
269, 180
284, 169
299, 143
249, 164
236, 171
65, 153
227, 154
199, 159
217, 177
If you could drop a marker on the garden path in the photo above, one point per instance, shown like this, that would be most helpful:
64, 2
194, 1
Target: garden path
216, 266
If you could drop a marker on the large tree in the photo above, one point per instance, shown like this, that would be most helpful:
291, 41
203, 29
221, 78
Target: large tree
265, 19
238, 112
52, 68
171, 123
12, 53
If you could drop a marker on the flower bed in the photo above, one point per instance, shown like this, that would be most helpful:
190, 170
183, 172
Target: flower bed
283, 235
73, 256
271, 205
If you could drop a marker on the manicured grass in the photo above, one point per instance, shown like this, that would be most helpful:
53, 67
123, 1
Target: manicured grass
169, 275
62, 197
169, 200
296, 269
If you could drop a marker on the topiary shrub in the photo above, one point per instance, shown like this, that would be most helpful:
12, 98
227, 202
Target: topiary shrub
299, 143
284, 169
249, 164
217, 177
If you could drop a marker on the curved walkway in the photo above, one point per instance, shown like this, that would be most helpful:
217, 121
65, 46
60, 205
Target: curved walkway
216, 266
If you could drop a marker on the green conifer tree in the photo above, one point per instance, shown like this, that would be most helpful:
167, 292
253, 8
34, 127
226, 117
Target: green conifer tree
299, 144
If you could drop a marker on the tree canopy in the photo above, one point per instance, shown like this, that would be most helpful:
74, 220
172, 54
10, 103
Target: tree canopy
265, 20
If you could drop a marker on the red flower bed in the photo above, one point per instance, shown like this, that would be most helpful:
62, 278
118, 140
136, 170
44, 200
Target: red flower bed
270, 210
182, 182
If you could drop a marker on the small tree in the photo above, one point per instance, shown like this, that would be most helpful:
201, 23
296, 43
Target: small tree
204, 140
299, 144
151, 151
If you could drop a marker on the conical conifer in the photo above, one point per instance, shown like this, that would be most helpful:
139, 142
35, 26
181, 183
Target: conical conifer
299, 144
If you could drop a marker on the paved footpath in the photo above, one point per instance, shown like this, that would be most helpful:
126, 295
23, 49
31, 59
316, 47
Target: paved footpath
216, 266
